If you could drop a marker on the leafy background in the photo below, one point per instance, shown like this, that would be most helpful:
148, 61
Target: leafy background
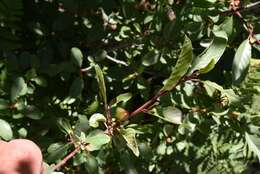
73, 72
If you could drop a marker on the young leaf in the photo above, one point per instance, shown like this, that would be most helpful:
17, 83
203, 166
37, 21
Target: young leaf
77, 56
95, 119
101, 84
18, 88
96, 139
181, 66
241, 62
129, 136
5, 130
214, 51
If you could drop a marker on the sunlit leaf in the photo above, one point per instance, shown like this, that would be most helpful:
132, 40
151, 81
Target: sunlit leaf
253, 142
241, 62
101, 83
95, 119
18, 88
129, 135
5, 130
96, 139
214, 51
181, 66
121, 98
77, 56
227, 25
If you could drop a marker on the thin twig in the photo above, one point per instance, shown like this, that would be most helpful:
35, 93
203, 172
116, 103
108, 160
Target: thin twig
147, 105
64, 160
116, 61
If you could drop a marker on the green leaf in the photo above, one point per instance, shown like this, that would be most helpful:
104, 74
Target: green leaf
227, 26
65, 126
211, 87
77, 56
56, 151
174, 115
95, 119
209, 67
92, 108
129, 136
121, 98
5, 130
76, 88
181, 66
241, 62
169, 114
4, 104
82, 125
101, 83
96, 139
253, 142
18, 88
91, 164
214, 51
150, 58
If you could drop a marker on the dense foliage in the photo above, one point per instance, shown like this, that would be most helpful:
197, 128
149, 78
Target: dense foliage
126, 86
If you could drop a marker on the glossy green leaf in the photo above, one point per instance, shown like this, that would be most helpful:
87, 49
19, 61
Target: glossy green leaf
181, 66
101, 84
241, 62
6, 132
214, 51
77, 56
96, 139
18, 88
95, 119
209, 67
129, 135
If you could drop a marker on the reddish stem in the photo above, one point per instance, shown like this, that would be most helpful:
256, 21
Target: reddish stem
64, 161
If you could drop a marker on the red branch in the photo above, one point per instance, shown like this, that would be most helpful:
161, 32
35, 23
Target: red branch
69, 156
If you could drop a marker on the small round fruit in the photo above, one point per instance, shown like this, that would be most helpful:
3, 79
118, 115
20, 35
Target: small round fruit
121, 114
